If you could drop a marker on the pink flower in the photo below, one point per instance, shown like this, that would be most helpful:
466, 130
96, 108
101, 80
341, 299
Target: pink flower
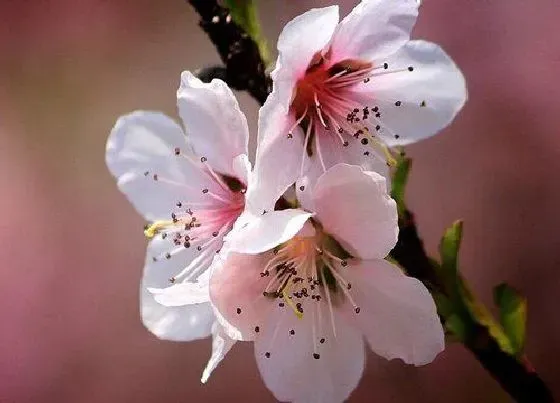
344, 92
308, 285
192, 188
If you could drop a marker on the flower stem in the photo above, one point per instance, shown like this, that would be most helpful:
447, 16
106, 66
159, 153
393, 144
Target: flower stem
245, 70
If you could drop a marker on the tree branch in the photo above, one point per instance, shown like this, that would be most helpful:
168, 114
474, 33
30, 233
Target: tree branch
244, 68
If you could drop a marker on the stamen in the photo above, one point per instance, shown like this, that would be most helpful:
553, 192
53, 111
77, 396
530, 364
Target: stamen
194, 267
313, 332
345, 288
344, 142
197, 164
216, 196
175, 183
297, 123
318, 110
276, 259
329, 301
307, 136
385, 72
155, 228
319, 153
391, 161
337, 75
216, 177
290, 303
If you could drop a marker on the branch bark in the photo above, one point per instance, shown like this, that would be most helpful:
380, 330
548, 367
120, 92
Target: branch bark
245, 70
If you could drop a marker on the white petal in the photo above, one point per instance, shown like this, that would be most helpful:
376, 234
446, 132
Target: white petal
374, 29
368, 157
354, 207
301, 39
265, 232
215, 125
242, 168
397, 313
141, 155
278, 160
292, 373
165, 260
236, 292
180, 323
181, 294
183, 323
221, 344
435, 82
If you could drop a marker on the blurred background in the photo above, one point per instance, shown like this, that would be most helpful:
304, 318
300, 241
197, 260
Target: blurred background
72, 248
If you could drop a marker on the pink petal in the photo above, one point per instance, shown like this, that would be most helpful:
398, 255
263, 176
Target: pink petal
397, 313
188, 293
428, 97
242, 168
184, 323
354, 207
236, 292
285, 349
301, 39
179, 323
141, 154
165, 260
221, 344
264, 232
278, 156
334, 153
214, 123
374, 29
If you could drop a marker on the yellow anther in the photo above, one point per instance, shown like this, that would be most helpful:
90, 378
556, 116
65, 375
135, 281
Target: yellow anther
391, 161
289, 301
154, 229
294, 308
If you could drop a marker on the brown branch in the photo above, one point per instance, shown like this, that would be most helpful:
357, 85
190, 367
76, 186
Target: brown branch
244, 68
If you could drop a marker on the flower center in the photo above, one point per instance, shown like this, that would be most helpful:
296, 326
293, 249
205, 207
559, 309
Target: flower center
200, 225
307, 268
322, 94
326, 101
304, 274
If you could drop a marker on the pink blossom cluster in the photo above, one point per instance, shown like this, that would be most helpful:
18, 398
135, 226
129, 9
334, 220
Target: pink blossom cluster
291, 254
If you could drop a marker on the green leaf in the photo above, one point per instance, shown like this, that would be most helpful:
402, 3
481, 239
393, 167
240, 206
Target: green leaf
449, 248
244, 13
482, 316
455, 325
398, 185
513, 315
444, 306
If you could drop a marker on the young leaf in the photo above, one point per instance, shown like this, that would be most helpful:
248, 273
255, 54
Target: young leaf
455, 326
480, 314
400, 178
244, 13
449, 248
513, 315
